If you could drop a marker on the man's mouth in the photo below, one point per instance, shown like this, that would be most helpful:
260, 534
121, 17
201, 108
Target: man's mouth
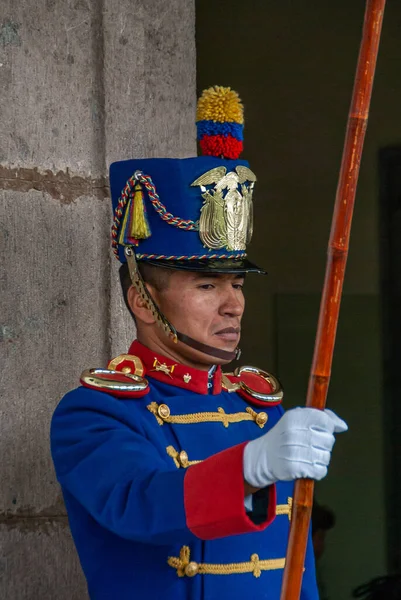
230, 334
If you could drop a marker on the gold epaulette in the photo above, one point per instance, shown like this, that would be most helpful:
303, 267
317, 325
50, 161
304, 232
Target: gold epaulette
254, 385
123, 378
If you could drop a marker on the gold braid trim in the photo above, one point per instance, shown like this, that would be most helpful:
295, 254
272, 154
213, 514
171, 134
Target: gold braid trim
180, 458
186, 567
162, 414
285, 509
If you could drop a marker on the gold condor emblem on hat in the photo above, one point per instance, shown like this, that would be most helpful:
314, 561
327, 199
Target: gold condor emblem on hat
226, 219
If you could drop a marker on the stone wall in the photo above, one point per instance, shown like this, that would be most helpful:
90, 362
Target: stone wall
84, 83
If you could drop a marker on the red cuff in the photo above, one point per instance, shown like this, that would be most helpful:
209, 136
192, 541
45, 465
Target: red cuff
214, 497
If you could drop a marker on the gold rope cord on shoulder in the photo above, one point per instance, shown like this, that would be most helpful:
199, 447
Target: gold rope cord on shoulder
188, 568
163, 415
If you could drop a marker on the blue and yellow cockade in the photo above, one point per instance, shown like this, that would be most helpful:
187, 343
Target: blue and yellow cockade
149, 452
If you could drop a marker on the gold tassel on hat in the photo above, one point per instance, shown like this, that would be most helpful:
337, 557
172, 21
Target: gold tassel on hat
135, 225
139, 224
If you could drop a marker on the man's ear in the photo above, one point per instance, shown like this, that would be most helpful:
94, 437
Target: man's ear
139, 306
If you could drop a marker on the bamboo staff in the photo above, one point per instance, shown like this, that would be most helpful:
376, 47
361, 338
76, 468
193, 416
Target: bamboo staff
335, 268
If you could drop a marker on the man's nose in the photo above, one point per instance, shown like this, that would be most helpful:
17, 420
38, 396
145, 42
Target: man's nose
233, 304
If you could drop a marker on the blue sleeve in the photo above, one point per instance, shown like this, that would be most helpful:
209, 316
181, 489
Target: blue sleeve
309, 589
114, 472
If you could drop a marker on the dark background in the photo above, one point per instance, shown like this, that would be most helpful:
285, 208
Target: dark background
293, 63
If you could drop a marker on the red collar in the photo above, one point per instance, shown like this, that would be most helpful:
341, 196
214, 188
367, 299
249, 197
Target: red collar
166, 370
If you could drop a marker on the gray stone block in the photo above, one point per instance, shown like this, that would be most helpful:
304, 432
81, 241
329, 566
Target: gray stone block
38, 560
171, 78
149, 79
55, 270
51, 80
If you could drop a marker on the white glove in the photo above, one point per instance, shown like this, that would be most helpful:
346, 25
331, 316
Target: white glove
298, 446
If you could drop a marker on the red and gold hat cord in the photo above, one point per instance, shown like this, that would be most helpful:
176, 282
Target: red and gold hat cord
128, 196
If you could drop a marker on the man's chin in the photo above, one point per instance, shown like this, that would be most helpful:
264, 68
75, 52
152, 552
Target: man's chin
224, 345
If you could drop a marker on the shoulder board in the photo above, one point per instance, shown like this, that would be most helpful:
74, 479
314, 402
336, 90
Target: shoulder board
122, 378
254, 385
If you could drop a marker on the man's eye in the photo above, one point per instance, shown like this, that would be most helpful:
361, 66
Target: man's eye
206, 286
238, 286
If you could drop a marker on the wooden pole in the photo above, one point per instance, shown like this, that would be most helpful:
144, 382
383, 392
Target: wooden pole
334, 278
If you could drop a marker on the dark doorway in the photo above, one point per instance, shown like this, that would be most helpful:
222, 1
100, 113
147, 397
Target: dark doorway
390, 243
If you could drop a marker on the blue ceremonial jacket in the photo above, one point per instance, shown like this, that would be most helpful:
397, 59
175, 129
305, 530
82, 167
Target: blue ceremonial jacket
153, 486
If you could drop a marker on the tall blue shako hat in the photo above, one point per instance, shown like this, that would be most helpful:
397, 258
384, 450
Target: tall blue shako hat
192, 213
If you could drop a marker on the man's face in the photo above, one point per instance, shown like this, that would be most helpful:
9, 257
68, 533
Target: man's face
206, 307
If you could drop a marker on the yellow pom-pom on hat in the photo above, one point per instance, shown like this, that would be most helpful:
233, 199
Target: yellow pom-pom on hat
221, 104
220, 122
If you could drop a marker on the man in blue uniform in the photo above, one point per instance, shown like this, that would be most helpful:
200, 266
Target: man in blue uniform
177, 478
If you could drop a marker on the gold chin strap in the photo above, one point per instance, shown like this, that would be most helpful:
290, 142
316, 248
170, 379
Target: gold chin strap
168, 328
141, 288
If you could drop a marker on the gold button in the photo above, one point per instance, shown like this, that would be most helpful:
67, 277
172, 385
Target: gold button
191, 569
126, 370
163, 411
183, 458
261, 418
